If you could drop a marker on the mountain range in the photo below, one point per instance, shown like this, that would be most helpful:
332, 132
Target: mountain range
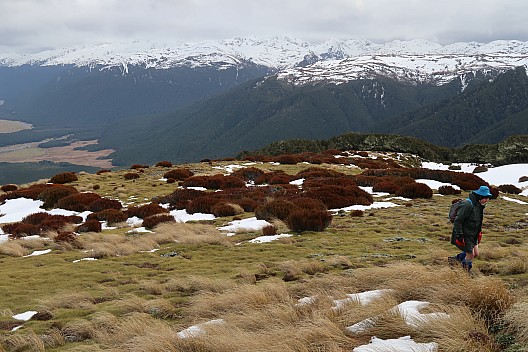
188, 101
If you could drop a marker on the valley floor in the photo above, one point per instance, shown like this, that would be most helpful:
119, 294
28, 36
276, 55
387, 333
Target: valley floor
30, 152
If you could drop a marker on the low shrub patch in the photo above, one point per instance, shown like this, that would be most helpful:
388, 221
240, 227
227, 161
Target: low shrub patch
90, 226
9, 188
178, 174
146, 210
65, 177
151, 221
415, 190
300, 220
78, 202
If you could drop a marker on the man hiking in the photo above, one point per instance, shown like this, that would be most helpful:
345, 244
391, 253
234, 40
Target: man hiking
467, 227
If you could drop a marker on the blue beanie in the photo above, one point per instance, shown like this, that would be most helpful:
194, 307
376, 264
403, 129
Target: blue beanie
483, 191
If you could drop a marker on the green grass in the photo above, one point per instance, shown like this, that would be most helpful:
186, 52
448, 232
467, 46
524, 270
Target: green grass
172, 290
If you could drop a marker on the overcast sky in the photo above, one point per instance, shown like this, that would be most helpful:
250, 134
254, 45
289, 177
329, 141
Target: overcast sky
35, 25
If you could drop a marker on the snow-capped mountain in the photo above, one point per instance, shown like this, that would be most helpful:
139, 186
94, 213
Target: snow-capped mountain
300, 62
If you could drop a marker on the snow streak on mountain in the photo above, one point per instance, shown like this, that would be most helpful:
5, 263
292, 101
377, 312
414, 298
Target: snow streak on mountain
300, 62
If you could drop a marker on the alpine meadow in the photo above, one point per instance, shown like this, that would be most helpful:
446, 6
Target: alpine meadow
262, 195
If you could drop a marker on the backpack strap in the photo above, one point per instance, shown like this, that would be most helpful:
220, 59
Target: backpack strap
470, 201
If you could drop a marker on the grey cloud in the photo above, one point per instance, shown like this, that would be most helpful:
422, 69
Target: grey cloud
33, 24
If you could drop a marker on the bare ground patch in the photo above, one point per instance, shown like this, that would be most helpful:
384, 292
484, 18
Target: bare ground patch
31, 153
7, 126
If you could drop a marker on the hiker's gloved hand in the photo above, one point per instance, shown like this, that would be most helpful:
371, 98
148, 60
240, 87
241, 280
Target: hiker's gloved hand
479, 237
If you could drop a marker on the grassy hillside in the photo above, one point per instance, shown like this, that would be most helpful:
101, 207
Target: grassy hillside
146, 288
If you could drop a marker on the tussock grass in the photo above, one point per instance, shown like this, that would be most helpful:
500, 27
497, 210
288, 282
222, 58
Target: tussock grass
78, 330
186, 233
70, 300
516, 318
197, 284
133, 332
461, 332
13, 249
514, 266
25, 341
243, 299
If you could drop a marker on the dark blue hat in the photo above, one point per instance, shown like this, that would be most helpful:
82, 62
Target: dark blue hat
483, 191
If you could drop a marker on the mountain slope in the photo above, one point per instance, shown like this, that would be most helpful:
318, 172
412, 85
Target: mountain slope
262, 111
456, 121
91, 97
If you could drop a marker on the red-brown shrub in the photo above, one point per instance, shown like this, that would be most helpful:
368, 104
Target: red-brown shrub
78, 202
102, 171
51, 195
35, 218
280, 179
248, 173
105, 203
328, 181
266, 176
287, 159
164, 163
90, 226
308, 203
202, 205
231, 182
269, 230
64, 177
448, 190
178, 174
334, 197
385, 186
248, 204
357, 213
131, 176
318, 172
8, 228
523, 178
151, 221
171, 180
146, 210
22, 230
214, 182
308, 220
196, 181
480, 168
512, 189
111, 216
221, 209
9, 188
52, 224
415, 190
179, 198
31, 192
276, 208
139, 166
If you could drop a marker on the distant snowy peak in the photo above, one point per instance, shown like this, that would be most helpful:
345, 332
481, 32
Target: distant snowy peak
298, 61
433, 69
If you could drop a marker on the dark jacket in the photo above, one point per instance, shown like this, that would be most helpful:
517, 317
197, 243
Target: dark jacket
468, 221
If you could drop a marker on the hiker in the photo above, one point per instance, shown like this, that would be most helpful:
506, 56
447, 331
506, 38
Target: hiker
467, 226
